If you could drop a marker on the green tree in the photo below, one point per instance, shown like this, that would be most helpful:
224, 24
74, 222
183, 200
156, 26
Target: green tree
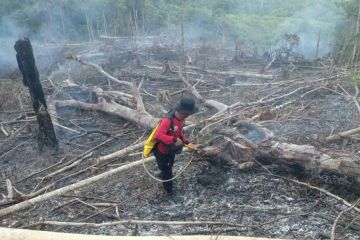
348, 32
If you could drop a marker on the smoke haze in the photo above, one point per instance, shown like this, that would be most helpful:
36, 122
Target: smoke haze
9, 33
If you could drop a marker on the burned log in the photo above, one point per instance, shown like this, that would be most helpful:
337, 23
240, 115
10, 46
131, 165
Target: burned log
30, 73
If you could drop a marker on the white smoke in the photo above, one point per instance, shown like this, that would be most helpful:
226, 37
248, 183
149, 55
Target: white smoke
9, 33
314, 19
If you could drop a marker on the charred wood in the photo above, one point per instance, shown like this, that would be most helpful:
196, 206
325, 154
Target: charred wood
26, 63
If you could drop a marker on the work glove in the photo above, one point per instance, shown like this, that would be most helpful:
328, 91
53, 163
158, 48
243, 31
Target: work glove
191, 147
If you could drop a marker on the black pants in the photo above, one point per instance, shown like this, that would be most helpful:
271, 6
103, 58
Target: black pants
165, 163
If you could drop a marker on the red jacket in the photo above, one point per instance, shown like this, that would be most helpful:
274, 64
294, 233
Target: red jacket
167, 137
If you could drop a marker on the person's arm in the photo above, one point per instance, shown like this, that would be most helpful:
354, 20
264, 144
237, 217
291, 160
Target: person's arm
161, 132
183, 137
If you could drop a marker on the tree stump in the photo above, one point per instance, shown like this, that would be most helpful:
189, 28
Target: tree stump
46, 136
30, 73
166, 68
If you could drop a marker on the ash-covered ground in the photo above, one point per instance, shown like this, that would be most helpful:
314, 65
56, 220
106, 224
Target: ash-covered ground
209, 190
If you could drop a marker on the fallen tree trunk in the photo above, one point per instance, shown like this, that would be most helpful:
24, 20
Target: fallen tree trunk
99, 161
211, 103
135, 90
24, 234
120, 153
313, 161
345, 134
270, 63
225, 73
141, 118
300, 158
31, 202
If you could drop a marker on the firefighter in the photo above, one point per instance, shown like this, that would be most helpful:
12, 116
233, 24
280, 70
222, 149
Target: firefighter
170, 139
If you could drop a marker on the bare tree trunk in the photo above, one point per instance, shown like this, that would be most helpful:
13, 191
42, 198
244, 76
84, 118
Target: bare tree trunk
183, 62
105, 23
317, 45
133, 28
356, 42
89, 27
26, 63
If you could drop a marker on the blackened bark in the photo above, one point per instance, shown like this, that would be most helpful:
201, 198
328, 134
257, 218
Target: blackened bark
46, 135
30, 73
26, 62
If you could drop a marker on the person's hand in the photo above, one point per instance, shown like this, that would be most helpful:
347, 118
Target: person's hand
179, 142
192, 147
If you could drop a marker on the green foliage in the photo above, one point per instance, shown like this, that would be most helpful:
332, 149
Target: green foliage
346, 35
356, 79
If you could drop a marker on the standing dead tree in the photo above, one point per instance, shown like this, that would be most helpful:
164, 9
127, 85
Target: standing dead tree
28, 69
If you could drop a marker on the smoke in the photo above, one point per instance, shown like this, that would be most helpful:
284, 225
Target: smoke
48, 32
60, 21
9, 33
262, 27
316, 21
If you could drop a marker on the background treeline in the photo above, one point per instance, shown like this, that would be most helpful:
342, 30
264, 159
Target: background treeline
260, 23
